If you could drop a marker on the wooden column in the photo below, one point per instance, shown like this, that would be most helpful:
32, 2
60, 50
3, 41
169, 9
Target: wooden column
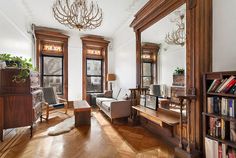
1, 118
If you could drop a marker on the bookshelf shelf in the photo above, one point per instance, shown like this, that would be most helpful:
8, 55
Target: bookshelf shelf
222, 95
220, 103
226, 118
227, 142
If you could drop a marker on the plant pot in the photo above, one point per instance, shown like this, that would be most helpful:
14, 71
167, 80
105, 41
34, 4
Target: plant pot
178, 80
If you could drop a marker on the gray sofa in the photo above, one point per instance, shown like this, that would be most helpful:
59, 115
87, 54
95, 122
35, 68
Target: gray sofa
117, 106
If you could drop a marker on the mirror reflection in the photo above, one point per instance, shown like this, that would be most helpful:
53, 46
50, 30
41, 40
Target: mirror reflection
163, 58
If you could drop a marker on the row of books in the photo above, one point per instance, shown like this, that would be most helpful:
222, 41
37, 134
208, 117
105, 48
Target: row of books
227, 85
222, 129
221, 106
214, 149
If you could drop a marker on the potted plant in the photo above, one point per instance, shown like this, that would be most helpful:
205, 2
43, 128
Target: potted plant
178, 77
25, 65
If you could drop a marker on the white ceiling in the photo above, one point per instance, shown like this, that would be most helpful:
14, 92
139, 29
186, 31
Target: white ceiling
116, 13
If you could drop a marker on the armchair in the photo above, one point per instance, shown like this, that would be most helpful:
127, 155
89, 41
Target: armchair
52, 101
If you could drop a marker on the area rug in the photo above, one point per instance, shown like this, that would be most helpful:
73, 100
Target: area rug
63, 127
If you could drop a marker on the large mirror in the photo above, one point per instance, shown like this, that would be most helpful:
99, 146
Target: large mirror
163, 58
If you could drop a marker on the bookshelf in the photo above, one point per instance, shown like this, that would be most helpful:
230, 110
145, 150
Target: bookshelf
219, 114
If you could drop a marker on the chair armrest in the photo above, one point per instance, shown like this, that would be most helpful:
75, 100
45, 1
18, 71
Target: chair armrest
120, 108
61, 100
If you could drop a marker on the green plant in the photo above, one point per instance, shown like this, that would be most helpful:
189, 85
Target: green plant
179, 71
24, 64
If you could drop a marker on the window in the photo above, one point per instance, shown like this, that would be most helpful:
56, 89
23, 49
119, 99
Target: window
94, 75
52, 72
146, 74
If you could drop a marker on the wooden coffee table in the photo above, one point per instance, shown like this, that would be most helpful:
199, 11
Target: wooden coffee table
82, 111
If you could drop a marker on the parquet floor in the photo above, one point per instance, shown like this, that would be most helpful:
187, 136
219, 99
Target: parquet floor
101, 140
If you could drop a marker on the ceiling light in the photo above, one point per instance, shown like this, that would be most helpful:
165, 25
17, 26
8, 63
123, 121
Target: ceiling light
77, 14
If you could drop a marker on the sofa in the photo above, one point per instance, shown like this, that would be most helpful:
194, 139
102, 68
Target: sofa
117, 106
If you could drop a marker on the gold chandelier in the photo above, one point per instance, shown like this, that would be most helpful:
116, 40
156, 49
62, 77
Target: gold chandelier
77, 14
177, 37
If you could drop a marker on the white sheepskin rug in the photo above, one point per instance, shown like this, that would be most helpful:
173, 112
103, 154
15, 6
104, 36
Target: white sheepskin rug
66, 126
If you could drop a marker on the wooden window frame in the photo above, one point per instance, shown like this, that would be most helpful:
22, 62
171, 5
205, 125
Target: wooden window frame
99, 43
52, 36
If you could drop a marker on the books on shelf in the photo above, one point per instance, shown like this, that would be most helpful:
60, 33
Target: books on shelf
214, 149
219, 128
233, 132
213, 105
227, 85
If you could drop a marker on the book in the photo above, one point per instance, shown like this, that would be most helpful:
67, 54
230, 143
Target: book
233, 132
218, 128
231, 105
216, 105
212, 130
221, 84
214, 85
224, 150
210, 105
211, 148
220, 151
225, 84
222, 129
224, 106
229, 86
233, 89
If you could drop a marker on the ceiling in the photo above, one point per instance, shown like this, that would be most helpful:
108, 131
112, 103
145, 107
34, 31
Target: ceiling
39, 12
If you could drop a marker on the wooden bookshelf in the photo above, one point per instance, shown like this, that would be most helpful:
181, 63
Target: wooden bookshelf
227, 142
226, 118
208, 79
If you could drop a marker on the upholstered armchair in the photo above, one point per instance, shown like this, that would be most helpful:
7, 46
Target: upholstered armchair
52, 101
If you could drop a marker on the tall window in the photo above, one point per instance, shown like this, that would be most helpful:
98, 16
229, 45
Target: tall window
94, 75
52, 72
147, 76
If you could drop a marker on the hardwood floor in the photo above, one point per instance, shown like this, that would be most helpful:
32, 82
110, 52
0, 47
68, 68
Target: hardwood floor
102, 139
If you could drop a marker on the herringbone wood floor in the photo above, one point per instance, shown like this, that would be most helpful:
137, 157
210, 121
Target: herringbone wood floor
101, 140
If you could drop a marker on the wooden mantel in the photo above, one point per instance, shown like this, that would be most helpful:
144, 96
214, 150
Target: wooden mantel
198, 44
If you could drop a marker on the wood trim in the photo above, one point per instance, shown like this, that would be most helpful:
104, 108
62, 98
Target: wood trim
98, 43
198, 45
51, 35
1, 119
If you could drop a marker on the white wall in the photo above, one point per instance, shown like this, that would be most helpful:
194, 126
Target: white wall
14, 38
170, 58
124, 50
224, 35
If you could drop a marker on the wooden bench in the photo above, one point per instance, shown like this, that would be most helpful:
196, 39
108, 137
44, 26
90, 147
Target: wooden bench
161, 117
82, 111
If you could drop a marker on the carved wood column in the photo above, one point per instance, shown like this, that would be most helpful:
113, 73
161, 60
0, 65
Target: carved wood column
1, 119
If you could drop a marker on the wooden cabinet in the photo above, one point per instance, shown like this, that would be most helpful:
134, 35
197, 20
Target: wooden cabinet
20, 103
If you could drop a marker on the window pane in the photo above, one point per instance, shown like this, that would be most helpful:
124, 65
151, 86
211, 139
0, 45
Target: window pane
94, 67
52, 65
53, 81
94, 84
146, 81
147, 69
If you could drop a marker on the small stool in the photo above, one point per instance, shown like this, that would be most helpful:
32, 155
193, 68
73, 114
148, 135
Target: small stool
82, 112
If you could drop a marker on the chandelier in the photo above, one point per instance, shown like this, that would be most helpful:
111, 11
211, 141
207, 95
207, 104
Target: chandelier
77, 14
177, 37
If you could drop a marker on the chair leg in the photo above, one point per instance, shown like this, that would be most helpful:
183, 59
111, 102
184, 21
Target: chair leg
47, 113
41, 118
66, 107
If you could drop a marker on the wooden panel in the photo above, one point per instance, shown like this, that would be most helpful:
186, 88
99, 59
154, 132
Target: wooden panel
17, 111
198, 44
1, 119
159, 115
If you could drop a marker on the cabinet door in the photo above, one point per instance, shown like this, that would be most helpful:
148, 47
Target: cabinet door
17, 111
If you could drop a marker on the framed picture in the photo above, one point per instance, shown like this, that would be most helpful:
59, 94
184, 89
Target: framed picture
152, 102
143, 100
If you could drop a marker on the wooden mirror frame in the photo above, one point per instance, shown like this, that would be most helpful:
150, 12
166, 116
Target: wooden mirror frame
198, 45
